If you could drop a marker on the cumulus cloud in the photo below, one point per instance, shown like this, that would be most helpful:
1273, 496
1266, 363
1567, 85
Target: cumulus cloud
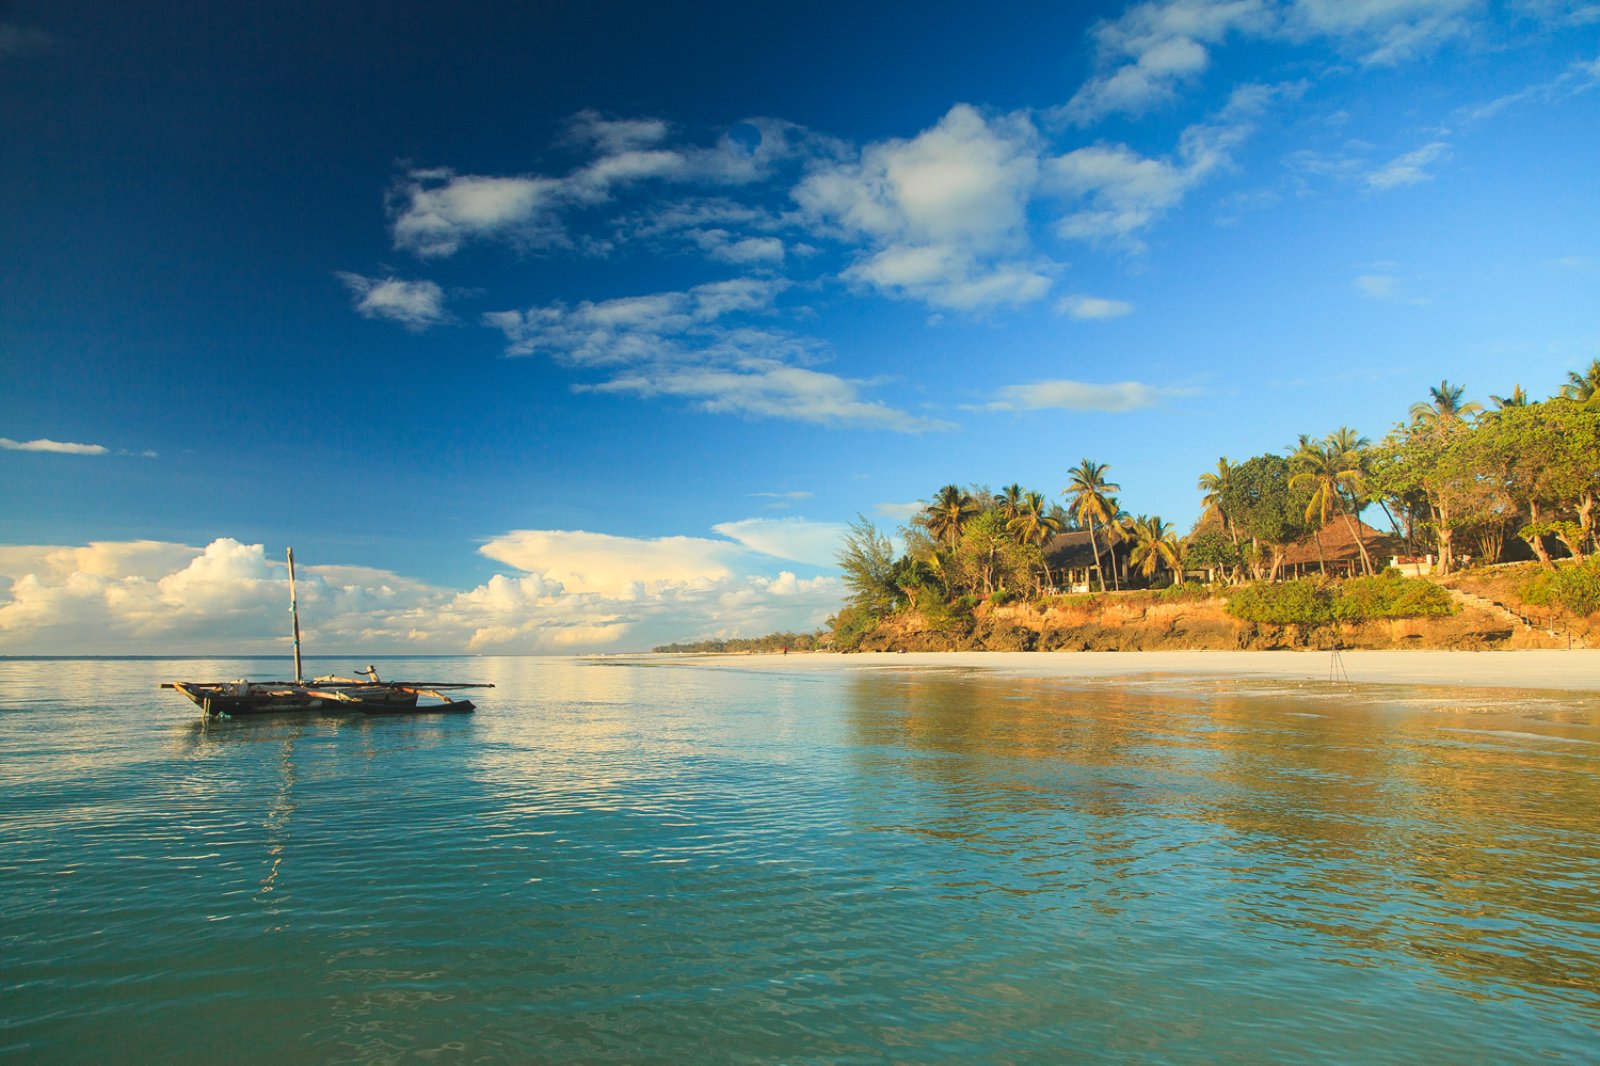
1122, 192
1066, 395
435, 211
1408, 169
943, 215
1153, 50
583, 592
1093, 307
56, 447
582, 562
414, 304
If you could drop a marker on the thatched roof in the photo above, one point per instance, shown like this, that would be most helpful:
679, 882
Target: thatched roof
1338, 546
1072, 550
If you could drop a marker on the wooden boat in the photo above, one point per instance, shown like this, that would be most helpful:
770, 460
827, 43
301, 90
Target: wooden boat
369, 695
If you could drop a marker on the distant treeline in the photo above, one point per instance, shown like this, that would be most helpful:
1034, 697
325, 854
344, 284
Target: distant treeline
772, 642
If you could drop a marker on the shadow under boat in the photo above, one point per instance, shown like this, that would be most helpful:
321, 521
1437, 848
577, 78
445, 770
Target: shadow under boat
371, 696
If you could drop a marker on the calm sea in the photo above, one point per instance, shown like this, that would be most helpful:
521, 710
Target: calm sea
665, 863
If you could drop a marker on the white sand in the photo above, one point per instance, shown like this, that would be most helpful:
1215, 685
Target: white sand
1568, 670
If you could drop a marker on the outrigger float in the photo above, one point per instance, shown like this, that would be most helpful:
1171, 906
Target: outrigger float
227, 699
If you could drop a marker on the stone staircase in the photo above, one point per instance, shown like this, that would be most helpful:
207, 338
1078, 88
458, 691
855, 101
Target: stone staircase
1496, 609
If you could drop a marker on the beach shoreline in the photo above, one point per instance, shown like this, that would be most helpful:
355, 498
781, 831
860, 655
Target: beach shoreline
1577, 671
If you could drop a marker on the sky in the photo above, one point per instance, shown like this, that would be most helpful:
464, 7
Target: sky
559, 328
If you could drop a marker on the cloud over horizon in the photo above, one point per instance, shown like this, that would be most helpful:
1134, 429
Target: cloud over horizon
574, 592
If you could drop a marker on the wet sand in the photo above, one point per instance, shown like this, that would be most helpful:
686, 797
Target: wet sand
1544, 669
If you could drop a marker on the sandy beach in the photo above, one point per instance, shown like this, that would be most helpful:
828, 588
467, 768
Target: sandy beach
1545, 669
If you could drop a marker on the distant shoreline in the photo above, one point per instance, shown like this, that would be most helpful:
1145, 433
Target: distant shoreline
1574, 671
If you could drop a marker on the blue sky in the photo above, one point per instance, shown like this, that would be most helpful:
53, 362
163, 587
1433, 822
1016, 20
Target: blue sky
586, 327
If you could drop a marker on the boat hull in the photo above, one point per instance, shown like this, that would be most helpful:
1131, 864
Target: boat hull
238, 699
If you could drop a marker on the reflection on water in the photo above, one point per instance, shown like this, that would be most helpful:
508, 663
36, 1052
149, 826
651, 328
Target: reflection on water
1316, 818
618, 862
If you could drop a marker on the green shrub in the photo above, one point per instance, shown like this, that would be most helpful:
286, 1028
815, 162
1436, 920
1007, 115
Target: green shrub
1313, 601
1574, 587
1304, 602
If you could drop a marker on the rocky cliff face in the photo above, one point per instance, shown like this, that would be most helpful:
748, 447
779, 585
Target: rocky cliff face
1113, 624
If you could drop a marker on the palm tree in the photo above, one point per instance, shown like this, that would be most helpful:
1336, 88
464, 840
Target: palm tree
1584, 387
1034, 524
1518, 398
1010, 501
1446, 406
1332, 468
948, 512
1155, 544
1087, 490
1215, 487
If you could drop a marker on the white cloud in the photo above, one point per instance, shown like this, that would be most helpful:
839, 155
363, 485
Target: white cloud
414, 304
1385, 31
54, 446
816, 543
581, 592
769, 389
1155, 49
436, 211
1066, 395
580, 562
943, 215
1093, 307
726, 247
1124, 192
681, 345
1386, 288
1408, 169
903, 512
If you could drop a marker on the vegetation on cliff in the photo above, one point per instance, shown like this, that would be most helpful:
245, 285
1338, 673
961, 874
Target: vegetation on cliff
1457, 483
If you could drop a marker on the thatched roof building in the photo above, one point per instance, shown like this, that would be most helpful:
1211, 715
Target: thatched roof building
1070, 557
1338, 553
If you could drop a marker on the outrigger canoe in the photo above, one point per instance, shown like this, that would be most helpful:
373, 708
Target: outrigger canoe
228, 699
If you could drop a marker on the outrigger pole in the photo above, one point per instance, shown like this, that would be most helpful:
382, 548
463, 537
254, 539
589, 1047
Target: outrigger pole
294, 618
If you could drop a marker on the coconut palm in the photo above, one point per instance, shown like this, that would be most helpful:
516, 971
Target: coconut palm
1034, 524
1086, 488
1333, 468
1445, 406
1010, 501
1518, 398
948, 512
1155, 545
1584, 387
1215, 487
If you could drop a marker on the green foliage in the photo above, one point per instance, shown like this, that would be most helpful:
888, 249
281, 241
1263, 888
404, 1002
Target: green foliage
870, 571
1306, 602
1261, 504
1187, 592
772, 642
850, 625
1315, 602
1573, 587
1213, 549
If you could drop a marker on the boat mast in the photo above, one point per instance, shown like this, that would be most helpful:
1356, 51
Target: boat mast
294, 618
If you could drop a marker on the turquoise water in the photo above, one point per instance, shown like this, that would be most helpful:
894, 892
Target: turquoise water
658, 863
